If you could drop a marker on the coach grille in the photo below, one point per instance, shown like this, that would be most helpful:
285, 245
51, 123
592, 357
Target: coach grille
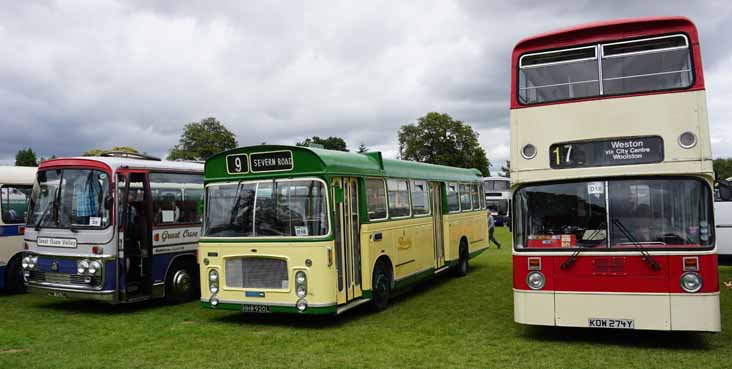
62, 278
256, 273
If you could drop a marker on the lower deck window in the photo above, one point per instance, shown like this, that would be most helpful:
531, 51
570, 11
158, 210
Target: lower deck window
655, 213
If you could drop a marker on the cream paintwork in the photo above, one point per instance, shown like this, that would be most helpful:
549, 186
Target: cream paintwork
667, 115
677, 312
321, 277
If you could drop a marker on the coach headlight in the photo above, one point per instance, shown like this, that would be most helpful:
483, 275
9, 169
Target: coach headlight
302, 304
33, 262
301, 284
691, 282
535, 280
213, 281
82, 267
94, 267
25, 263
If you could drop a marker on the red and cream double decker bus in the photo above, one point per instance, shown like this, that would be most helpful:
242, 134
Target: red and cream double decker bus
612, 179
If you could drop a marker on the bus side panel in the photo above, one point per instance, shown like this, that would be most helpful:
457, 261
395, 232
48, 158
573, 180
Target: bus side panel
723, 231
372, 248
471, 225
11, 243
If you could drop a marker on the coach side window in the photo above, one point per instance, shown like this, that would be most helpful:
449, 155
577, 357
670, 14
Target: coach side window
376, 199
420, 198
465, 197
398, 198
14, 203
175, 197
453, 198
475, 196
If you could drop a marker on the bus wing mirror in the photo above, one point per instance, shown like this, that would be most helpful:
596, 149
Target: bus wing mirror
108, 201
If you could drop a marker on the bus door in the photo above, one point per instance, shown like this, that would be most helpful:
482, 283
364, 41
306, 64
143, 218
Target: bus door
438, 235
135, 234
347, 238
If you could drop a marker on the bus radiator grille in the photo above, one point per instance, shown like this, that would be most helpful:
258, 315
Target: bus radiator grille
255, 272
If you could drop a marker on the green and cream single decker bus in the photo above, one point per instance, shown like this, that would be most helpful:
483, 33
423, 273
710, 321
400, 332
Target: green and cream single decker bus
303, 229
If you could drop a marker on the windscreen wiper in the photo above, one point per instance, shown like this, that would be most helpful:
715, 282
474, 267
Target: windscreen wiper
43, 215
573, 258
646, 256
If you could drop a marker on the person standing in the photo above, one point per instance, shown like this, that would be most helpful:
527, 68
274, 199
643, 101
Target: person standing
491, 229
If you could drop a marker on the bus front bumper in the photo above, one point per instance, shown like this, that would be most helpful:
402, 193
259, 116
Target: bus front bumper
263, 307
650, 311
105, 296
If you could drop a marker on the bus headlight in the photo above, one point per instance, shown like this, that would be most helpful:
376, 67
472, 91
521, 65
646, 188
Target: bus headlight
535, 280
213, 281
301, 284
94, 267
33, 262
302, 304
82, 266
25, 263
691, 282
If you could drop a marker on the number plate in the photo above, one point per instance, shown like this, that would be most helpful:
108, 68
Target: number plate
57, 294
611, 323
261, 309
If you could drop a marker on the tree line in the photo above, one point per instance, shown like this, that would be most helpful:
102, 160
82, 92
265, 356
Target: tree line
435, 138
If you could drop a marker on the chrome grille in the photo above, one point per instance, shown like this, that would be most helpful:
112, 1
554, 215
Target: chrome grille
61, 278
256, 273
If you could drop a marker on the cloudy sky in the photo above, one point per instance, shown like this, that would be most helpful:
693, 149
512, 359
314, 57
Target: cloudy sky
76, 75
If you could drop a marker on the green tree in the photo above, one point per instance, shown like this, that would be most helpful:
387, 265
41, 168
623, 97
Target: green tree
26, 158
330, 143
362, 149
440, 139
203, 139
506, 170
97, 152
723, 167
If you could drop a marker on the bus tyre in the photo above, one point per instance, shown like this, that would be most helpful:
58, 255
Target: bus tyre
463, 267
14, 276
180, 283
381, 286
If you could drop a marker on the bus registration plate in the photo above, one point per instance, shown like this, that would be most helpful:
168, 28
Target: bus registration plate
611, 323
260, 309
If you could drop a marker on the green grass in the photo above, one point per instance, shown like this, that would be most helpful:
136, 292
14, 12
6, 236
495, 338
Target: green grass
447, 323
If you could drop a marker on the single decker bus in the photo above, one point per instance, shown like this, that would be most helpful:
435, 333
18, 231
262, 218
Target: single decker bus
314, 231
15, 188
498, 198
117, 228
612, 180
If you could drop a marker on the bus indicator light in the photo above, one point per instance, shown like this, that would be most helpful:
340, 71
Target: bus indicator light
691, 264
534, 263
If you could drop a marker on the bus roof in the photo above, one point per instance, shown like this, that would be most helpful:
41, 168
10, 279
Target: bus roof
496, 178
605, 31
10, 175
114, 163
316, 161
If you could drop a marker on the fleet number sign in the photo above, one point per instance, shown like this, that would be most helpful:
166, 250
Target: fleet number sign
621, 151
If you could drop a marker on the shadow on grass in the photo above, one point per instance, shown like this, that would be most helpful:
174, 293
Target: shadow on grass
101, 308
363, 311
694, 341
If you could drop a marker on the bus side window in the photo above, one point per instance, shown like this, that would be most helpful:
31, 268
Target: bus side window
14, 203
175, 197
398, 198
376, 199
453, 198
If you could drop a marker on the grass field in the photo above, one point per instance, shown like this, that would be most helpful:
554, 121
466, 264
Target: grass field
448, 323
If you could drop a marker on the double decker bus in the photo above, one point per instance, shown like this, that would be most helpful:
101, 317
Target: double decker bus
116, 228
498, 198
314, 231
612, 179
15, 187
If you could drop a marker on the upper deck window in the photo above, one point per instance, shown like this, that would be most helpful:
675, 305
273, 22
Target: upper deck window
652, 64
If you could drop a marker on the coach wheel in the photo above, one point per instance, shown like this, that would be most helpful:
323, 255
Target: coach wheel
14, 276
463, 267
180, 283
381, 287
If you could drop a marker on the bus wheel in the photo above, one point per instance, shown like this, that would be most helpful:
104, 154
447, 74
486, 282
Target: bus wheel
14, 276
463, 267
179, 283
381, 289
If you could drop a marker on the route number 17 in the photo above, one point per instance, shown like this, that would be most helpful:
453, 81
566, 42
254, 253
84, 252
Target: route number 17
558, 154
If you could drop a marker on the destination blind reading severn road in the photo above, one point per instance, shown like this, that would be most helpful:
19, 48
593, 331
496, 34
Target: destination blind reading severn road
624, 151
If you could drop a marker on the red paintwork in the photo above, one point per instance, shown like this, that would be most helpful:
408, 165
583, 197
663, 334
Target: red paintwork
75, 163
615, 30
615, 273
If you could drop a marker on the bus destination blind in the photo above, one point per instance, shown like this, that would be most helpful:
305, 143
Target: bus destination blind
622, 151
274, 161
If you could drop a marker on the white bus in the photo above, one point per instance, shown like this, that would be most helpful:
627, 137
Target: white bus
723, 225
498, 198
117, 228
15, 186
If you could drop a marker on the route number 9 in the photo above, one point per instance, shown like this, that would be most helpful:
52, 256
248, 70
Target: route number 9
237, 164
